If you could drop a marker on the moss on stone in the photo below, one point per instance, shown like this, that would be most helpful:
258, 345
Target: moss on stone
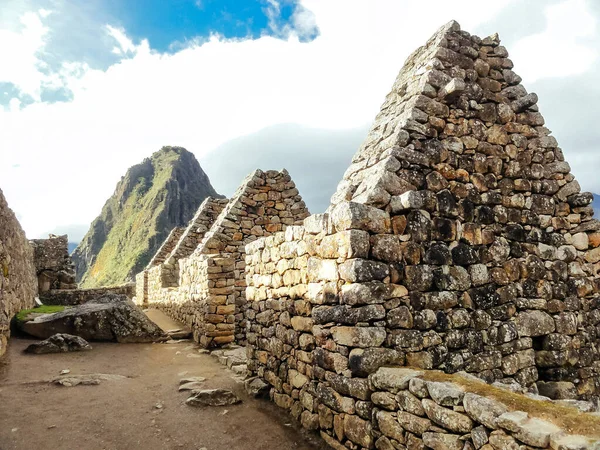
43, 309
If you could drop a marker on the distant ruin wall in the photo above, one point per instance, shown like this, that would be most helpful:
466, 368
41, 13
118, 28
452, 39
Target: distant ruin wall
18, 281
53, 265
80, 296
458, 240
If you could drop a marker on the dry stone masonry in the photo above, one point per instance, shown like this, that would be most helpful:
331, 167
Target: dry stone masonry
54, 267
202, 282
167, 247
18, 281
70, 297
458, 240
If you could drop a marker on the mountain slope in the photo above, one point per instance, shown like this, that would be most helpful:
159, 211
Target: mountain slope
162, 192
596, 206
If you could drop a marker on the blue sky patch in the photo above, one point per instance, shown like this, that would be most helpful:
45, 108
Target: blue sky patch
165, 23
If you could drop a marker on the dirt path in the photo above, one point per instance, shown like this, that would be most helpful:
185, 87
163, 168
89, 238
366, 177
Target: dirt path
122, 414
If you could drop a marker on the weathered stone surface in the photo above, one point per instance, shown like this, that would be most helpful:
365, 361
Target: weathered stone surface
393, 379
18, 281
363, 270
88, 379
442, 441
447, 418
356, 216
212, 397
358, 430
483, 410
359, 336
59, 343
371, 292
256, 387
110, 318
414, 424
347, 315
389, 426
534, 323
191, 386
445, 394
531, 431
366, 361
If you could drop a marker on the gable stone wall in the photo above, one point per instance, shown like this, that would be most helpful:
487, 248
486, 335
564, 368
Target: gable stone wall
458, 240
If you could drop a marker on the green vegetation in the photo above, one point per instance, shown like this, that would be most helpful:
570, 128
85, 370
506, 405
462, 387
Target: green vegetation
161, 192
43, 309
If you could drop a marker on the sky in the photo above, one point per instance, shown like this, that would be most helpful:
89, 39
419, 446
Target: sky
88, 89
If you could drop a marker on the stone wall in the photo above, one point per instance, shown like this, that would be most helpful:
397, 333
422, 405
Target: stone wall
167, 247
18, 281
458, 240
53, 265
207, 292
80, 296
194, 233
326, 363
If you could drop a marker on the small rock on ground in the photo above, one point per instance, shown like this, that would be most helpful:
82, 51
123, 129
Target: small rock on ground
212, 397
59, 343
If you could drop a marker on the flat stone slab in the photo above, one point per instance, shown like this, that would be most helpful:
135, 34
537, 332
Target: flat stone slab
530, 430
192, 380
86, 379
191, 386
212, 397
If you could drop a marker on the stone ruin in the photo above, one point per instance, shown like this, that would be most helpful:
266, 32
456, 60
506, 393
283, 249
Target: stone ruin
56, 275
458, 243
197, 275
458, 240
53, 265
18, 281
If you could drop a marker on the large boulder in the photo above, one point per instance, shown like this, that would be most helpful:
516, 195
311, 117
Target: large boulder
109, 318
59, 343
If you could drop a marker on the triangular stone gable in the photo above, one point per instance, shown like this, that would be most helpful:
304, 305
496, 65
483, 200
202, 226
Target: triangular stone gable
166, 247
203, 220
264, 203
472, 207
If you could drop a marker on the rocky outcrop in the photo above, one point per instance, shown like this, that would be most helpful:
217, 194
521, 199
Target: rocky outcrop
109, 318
18, 282
59, 343
162, 192
53, 265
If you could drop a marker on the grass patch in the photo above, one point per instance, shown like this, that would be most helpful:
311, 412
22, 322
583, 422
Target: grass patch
570, 419
43, 309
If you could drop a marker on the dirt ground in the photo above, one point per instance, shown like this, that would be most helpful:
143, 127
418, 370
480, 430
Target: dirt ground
123, 414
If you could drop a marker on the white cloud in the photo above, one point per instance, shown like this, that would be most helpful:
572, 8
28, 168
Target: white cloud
71, 155
126, 45
19, 50
563, 48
